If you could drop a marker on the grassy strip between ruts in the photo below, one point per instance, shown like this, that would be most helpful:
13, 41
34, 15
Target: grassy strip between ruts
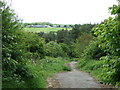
45, 30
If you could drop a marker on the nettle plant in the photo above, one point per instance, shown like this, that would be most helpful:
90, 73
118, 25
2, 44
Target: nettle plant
108, 34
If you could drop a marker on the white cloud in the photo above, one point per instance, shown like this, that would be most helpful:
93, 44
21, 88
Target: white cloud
63, 11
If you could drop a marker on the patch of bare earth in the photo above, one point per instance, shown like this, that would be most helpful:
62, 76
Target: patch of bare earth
52, 82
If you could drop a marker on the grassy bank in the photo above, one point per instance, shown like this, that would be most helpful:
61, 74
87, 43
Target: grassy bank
94, 67
49, 66
45, 30
97, 70
36, 74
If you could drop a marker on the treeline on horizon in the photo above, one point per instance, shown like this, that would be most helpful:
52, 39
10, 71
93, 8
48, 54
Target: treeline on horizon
47, 23
29, 58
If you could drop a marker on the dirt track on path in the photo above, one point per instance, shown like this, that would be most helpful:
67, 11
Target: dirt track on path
73, 79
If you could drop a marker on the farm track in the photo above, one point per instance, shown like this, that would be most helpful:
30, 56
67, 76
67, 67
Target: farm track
73, 79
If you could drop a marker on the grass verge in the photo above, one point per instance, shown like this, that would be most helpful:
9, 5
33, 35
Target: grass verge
35, 74
94, 67
49, 66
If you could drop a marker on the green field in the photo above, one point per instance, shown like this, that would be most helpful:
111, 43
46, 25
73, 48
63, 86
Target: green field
46, 30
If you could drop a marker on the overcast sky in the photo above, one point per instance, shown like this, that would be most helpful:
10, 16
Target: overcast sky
63, 11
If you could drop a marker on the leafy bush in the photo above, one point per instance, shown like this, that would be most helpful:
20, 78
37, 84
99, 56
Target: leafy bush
111, 70
65, 49
81, 43
11, 59
108, 35
106, 48
34, 45
93, 51
53, 49
16, 64
66, 68
92, 66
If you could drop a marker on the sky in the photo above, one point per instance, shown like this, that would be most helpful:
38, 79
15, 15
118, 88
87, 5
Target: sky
62, 11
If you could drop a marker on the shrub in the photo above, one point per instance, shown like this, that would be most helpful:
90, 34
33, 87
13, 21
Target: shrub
66, 68
108, 35
93, 51
15, 64
53, 49
81, 43
65, 49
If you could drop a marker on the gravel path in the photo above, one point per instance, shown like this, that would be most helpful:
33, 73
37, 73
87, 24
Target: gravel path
72, 79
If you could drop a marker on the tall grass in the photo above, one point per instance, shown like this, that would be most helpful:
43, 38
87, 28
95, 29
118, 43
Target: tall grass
37, 73
94, 67
45, 68
49, 66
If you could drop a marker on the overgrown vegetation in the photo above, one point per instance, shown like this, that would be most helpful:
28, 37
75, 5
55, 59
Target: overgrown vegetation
24, 62
106, 48
94, 67
29, 58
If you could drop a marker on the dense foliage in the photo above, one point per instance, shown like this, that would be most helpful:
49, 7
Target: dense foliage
24, 60
108, 34
74, 40
106, 47
81, 43
16, 64
67, 36
93, 51
53, 49
29, 58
